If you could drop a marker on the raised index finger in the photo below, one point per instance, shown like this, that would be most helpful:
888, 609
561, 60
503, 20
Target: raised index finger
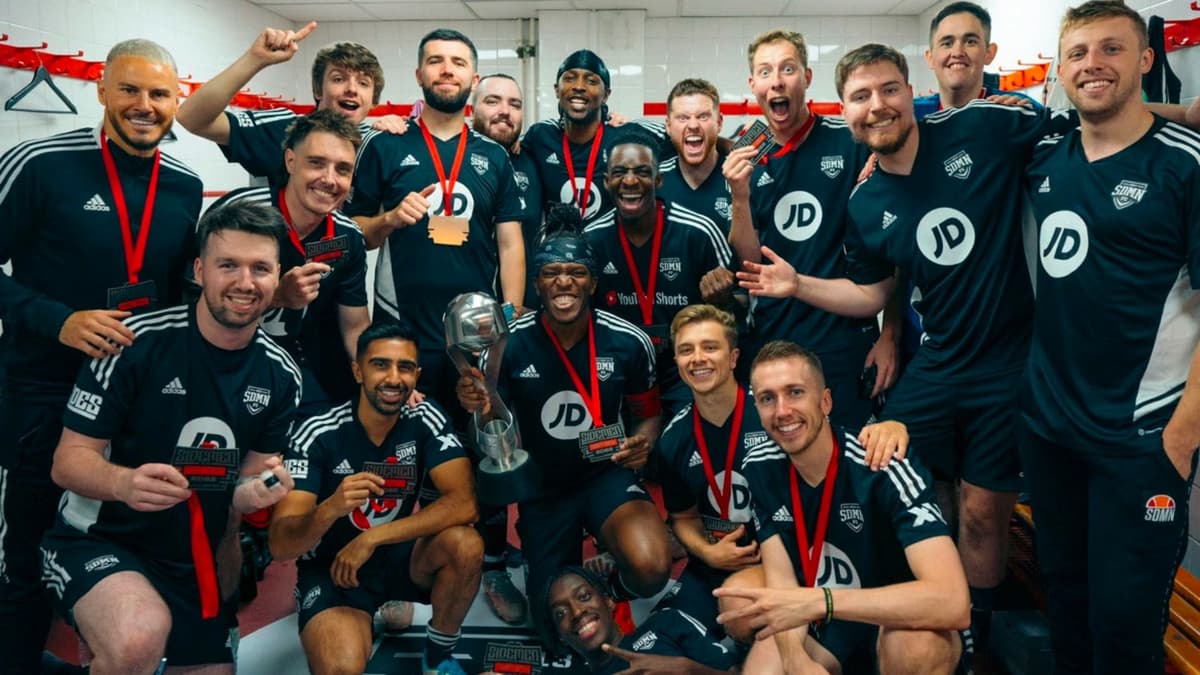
304, 32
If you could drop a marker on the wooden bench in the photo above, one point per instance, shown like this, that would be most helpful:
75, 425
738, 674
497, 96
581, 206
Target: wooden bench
1182, 639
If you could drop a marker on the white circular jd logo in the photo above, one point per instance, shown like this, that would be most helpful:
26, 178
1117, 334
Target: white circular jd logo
1062, 243
739, 501
568, 196
564, 415
798, 215
945, 236
462, 204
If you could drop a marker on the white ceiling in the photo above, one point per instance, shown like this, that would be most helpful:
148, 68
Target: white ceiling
447, 10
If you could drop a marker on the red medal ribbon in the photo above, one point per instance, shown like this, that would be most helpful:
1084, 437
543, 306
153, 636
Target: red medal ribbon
645, 294
590, 398
447, 184
134, 256
798, 137
202, 558
811, 560
723, 496
295, 236
582, 198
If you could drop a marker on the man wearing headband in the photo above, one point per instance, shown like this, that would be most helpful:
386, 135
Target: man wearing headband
572, 151
570, 373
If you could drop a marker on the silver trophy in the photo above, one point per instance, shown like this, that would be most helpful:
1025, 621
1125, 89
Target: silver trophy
474, 322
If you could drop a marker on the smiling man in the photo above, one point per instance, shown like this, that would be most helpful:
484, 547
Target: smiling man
692, 178
346, 79
572, 151
130, 560
795, 204
360, 470
322, 256
70, 200
1110, 450
655, 257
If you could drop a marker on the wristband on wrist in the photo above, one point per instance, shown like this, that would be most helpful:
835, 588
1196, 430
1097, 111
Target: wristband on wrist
828, 604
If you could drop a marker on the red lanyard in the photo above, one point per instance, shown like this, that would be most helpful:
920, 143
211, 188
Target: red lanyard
582, 198
202, 558
590, 399
797, 138
295, 236
811, 559
447, 185
645, 294
133, 256
724, 495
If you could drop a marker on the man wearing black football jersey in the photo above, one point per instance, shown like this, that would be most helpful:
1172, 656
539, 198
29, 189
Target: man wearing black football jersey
693, 176
579, 614
442, 203
98, 226
572, 151
498, 112
323, 258
130, 560
1110, 408
795, 203
360, 470
876, 578
346, 78
656, 257
571, 373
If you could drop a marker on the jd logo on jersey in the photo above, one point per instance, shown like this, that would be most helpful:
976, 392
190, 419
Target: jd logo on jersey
1062, 243
568, 196
1127, 193
798, 215
462, 202
739, 503
959, 166
564, 415
256, 399
945, 236
837, 569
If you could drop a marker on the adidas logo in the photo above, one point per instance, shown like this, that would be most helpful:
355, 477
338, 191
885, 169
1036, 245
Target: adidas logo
343, 469
409, 161
695, 460
1045, 186
610, 268
529, 373
782, 515
174, 386
888, 219
96, 203
765, 179
552, 159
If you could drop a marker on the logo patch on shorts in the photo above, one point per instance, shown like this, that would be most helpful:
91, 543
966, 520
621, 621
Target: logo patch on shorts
100, 563
310, 597
1160, 509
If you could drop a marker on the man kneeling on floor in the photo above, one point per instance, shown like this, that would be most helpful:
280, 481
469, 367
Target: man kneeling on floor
359, 470
883, 583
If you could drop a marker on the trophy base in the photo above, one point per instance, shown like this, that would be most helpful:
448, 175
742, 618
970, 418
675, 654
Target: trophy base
499, 487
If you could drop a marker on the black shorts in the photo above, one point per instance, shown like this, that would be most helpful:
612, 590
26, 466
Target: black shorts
73, 562
692, 594
383, 579
962, 429
551, 528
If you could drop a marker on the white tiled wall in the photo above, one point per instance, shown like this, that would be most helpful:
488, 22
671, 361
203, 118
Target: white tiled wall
203, 35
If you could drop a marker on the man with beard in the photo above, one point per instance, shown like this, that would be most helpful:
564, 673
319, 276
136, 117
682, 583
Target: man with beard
346, 78
571, 373
451, 210
579, 614
322, 256
360, 469
1112, 388
498, 113
877, 582
692, 178
656, 257
572, 151
946, 216
97, 226
796, 204
129, 560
